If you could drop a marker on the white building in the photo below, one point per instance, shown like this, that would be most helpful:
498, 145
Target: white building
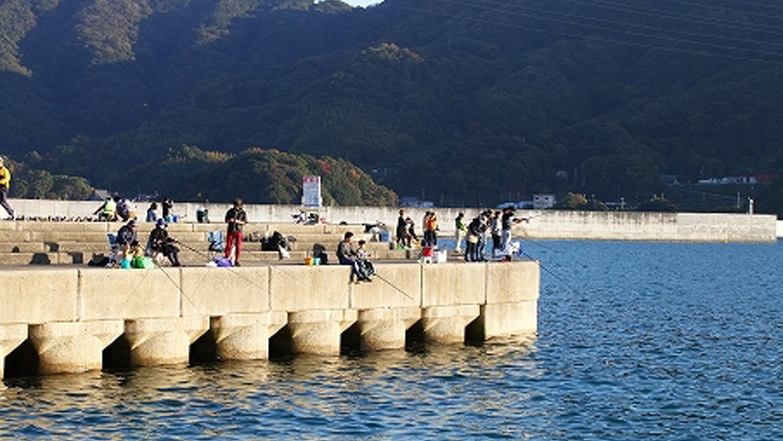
543, 201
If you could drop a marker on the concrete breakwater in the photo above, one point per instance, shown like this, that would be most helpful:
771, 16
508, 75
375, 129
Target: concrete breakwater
73, 320
546, 224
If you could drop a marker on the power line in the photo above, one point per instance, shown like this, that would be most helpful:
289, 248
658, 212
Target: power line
596, 38
758, 28
632, 25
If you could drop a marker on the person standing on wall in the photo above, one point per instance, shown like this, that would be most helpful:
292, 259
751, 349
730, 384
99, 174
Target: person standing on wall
459, 232
507, 221
236, 218
495, 231
402, 231
168, 209
5, 182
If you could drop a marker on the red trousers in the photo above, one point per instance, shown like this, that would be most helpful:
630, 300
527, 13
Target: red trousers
234, 240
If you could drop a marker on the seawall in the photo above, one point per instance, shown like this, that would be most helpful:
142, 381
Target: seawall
74, 320
547, 224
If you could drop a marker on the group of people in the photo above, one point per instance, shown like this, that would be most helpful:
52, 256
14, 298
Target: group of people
406, 230
158, 242
116, 208
361, 267
499, 225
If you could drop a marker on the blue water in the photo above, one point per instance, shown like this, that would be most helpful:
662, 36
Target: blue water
636, 341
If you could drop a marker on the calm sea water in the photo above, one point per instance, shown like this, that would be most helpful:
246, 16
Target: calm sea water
636, 341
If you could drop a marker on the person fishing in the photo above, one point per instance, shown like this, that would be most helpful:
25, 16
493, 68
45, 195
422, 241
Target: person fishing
507, 221
160, 242
347, 256
236, 218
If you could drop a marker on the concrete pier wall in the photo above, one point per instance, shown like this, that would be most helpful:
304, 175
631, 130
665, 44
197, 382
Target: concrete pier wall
549, 224
76, 319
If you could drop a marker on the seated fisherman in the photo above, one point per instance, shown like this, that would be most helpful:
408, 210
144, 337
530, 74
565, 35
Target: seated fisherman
364, 258
347, 256
126, 236
160, 242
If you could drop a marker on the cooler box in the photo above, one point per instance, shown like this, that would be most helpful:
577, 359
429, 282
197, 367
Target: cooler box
440, 257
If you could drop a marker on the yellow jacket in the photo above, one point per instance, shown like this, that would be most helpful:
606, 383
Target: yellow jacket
5, 177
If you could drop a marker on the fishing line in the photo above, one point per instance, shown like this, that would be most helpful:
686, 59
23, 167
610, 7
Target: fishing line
394, 286
550, 272
179, 287
133, 293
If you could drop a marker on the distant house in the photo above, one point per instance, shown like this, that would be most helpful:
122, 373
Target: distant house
671, 180
99, 194
543, 201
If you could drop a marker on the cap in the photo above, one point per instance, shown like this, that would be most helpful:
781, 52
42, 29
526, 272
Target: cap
132, 223
161, 222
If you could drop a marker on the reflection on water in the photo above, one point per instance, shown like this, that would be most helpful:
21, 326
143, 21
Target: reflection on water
636, 341
431, 393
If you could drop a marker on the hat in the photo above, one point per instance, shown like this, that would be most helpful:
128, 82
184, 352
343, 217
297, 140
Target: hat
132, 223
161, 222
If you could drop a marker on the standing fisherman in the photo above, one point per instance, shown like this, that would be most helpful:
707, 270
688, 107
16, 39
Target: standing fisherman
402, 231
459, 232
507, 221
5, 181
236, 217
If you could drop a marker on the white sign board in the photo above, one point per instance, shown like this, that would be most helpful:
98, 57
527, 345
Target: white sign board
311, 191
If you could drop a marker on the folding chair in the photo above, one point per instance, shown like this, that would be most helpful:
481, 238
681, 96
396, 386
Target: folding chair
114, 249
215, 248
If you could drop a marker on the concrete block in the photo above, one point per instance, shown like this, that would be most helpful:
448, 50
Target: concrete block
22, 247
74, 236
220, 291
11, 336
13, 236
510, 318
396, 286
318, 332
512, 281
129, 293
242, 336
298, 288
446, 324
161, 341
384, 328
59, 227
453, 284
38, 296
73, 347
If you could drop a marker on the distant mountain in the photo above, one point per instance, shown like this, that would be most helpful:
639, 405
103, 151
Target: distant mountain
465, 102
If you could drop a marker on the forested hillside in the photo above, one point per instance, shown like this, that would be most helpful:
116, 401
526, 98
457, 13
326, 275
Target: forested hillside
463, 102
